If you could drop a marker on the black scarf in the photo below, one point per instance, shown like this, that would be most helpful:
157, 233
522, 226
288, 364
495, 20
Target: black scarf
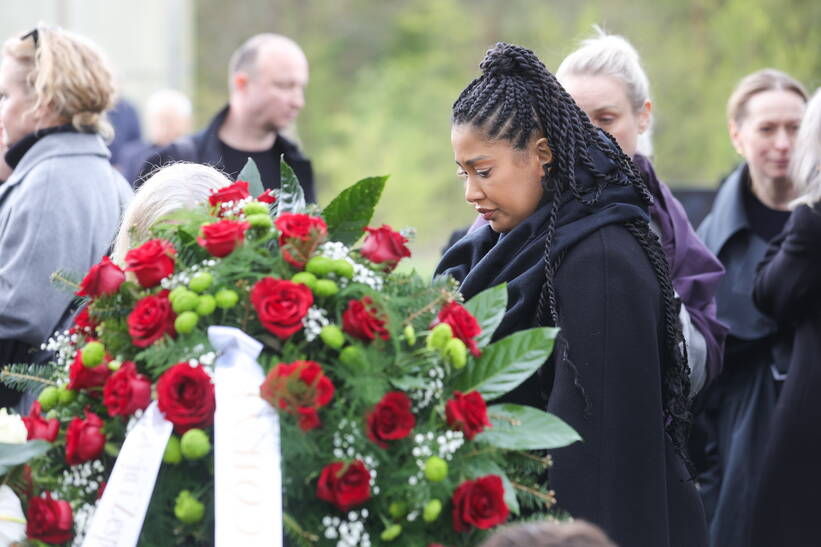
484, 258
16, 151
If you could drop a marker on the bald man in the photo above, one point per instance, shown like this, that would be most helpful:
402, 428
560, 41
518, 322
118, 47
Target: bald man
267, 76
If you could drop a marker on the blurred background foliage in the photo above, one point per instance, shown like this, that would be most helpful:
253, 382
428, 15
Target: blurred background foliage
384, 74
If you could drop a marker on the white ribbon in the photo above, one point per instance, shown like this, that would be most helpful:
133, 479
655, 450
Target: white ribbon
247, 475
119, 517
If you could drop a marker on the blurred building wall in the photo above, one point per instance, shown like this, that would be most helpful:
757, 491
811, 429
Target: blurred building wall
149, 42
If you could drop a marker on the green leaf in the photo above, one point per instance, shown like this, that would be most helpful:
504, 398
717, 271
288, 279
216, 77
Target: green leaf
483, 467
250, 174
351, 210
508, 362
488, 307
16, 454
291, 198
517, 427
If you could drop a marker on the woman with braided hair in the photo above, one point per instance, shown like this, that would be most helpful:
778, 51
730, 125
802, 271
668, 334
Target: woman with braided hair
568, 232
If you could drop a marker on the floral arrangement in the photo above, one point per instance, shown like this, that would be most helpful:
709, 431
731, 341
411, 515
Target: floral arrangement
383, 381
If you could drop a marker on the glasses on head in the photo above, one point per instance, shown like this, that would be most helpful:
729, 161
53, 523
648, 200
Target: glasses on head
34, 35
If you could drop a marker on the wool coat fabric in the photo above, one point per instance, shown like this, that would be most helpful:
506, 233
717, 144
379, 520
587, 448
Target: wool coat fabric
59, 210
604, 377
788, 289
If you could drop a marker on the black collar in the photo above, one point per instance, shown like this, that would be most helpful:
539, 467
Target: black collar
16, 151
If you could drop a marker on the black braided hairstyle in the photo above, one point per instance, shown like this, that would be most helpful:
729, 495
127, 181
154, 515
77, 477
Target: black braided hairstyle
517, 98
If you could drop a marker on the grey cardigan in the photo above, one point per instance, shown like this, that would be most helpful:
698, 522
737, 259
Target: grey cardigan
59, 210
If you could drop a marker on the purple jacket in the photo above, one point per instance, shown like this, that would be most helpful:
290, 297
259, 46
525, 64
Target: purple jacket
695, 271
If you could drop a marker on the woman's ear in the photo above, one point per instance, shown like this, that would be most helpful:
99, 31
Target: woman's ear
644, 116
543, 151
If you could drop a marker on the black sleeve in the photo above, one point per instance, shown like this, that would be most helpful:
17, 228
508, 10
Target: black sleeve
608, 387
788, 281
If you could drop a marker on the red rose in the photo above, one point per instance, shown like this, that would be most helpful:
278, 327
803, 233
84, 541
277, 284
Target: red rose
479, 503
83, 321
221, 238
267, 197
234, 192
464, 325
467, 413
103, 278
383, 245
281, 305
83, 377
84, 439
344, 485
299, 237
126, 391
49, 520
38, 427
151, 262
299, 388
150, 319
391, 419
361, 320
185, 395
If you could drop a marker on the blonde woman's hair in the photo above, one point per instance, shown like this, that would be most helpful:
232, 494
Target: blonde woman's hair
767, 79
805, 163
612, 55
67, 74
173, 187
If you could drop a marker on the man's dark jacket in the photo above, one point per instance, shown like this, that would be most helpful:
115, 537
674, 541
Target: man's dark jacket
205, 147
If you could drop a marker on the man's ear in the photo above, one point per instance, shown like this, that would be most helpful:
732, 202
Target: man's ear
239, 81
543, 151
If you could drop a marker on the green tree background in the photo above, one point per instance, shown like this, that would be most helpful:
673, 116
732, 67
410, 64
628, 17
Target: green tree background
384, 74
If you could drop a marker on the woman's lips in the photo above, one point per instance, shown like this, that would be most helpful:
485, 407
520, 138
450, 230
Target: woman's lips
487, 214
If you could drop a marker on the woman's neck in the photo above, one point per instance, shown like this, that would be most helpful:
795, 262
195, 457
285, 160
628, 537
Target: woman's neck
774, 193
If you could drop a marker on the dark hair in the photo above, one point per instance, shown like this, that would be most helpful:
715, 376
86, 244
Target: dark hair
517, 98
549, 534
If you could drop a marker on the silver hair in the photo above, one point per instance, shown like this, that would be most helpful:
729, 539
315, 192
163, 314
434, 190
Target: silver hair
612, 55
805, 163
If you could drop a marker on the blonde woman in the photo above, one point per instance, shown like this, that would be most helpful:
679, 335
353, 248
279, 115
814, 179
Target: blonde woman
168, 189
788, 289
61, 206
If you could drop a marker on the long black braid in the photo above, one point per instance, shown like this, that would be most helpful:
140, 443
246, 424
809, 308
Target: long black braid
517, 98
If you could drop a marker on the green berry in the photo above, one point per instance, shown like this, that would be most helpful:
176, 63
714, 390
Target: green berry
260, 220
188, 509
186, 322
185, 301
67, 395
398, 509
432, 510
173, 453
114, 365
195, 444
320, 266
436, 469
439, 336
332, 336
93, 354
325, 287
176, 291
410, 335
391, 532
226, 298
342, 268
206, 305
304, 278
201, 282
49, 398
351, 356
255, 208
456, 353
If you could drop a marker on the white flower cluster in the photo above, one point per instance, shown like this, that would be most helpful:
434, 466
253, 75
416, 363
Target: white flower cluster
235, 207
314, 320
432, 391
333, 250
351, 532
444, 445
184, 277
64, 345
82, 520
368, 277
85, 476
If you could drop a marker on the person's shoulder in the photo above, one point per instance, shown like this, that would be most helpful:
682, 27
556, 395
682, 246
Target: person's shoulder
610, 251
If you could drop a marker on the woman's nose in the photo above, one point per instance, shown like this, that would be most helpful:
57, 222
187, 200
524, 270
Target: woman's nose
473, 191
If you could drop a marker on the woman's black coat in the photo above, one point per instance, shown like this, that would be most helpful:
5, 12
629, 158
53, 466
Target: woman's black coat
788, 289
